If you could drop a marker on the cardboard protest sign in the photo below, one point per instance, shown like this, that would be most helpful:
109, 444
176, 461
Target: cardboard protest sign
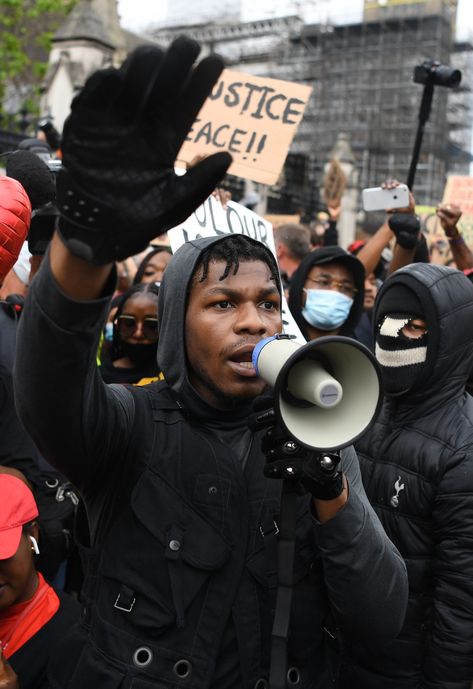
254, 118
459, 190
335, 182
211, 219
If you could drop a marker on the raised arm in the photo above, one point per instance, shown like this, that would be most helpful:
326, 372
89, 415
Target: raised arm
370, 253
116, 191
449, 215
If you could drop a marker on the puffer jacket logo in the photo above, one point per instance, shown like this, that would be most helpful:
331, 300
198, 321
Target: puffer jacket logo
398, 486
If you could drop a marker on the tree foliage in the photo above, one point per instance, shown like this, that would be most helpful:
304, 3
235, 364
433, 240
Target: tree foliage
26, 31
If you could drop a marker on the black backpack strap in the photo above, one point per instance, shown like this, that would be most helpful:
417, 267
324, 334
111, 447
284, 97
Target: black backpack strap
163, 399
286, 553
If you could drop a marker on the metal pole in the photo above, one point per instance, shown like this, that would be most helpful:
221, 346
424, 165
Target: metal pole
424, 112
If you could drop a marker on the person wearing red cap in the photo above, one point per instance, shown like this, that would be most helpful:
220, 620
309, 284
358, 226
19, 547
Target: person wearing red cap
33, 616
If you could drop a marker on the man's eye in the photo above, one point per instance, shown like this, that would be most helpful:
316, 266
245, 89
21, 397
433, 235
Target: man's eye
223, 305
269, 305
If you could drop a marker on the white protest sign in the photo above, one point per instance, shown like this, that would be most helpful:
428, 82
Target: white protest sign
212, 220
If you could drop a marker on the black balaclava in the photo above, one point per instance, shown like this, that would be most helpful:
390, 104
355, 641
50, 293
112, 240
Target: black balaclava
401, 359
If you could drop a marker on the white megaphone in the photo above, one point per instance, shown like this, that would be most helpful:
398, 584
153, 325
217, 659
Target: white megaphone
326, 392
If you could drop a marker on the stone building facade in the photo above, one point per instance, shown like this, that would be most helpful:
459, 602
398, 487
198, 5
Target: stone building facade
361, 76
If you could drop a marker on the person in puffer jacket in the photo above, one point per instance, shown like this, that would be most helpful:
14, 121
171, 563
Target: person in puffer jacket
417, 467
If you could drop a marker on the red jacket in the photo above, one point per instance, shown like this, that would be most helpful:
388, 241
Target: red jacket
15, 218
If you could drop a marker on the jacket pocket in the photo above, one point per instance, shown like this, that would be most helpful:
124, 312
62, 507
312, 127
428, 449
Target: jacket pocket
167, 517
170, 555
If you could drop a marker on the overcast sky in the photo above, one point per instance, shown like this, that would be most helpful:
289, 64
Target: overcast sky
139, 14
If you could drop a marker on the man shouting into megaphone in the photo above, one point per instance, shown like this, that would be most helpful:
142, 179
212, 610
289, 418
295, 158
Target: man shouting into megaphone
182, 523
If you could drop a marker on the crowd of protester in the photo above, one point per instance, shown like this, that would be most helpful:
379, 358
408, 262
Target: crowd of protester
139, 523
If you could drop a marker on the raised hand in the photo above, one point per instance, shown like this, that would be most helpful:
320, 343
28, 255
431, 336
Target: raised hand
118, 188
449, 215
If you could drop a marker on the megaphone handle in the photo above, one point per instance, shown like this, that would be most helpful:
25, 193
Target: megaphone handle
286, 551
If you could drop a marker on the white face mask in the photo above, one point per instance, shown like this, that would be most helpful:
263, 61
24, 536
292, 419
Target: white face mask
326, 309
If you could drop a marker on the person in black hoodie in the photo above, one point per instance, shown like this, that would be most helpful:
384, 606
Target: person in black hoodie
417, 467
182, 539
327, 292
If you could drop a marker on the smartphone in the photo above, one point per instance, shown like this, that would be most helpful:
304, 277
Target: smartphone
379, 199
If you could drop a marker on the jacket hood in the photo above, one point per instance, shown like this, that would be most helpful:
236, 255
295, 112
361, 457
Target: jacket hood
446, 296
329, 254
172, 306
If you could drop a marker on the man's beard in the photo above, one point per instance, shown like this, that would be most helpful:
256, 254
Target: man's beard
225, 400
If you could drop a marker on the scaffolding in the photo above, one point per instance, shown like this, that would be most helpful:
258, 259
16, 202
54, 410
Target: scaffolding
361, 76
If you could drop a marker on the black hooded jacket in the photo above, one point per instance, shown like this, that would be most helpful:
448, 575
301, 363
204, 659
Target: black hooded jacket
417, 467
329, 254
182, 556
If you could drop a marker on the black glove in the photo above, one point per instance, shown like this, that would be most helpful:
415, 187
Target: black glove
406, 227
118, 189
316, 473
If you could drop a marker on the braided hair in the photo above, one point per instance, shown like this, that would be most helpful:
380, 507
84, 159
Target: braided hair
233, 250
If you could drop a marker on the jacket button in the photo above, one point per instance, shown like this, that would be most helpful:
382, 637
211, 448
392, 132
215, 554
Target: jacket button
213, 490
174, 545
182, 669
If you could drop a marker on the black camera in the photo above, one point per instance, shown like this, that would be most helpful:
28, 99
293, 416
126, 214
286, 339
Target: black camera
43, 150
431, 71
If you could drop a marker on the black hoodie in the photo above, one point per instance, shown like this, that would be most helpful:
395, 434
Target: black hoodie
329, 254
172, 304
180, 521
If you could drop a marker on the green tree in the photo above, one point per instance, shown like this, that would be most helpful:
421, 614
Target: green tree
26, 31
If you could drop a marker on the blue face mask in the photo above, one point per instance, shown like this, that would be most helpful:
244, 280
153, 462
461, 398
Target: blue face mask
326, 309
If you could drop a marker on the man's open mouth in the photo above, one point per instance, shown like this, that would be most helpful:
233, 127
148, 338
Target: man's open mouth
241, 362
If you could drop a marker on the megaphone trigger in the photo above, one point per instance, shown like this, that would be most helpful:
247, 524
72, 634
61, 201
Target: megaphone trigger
261, 419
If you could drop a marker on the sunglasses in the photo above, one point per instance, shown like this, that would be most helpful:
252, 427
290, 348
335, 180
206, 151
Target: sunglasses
126, 326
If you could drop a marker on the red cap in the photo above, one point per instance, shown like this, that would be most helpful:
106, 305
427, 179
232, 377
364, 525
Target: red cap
17, 507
